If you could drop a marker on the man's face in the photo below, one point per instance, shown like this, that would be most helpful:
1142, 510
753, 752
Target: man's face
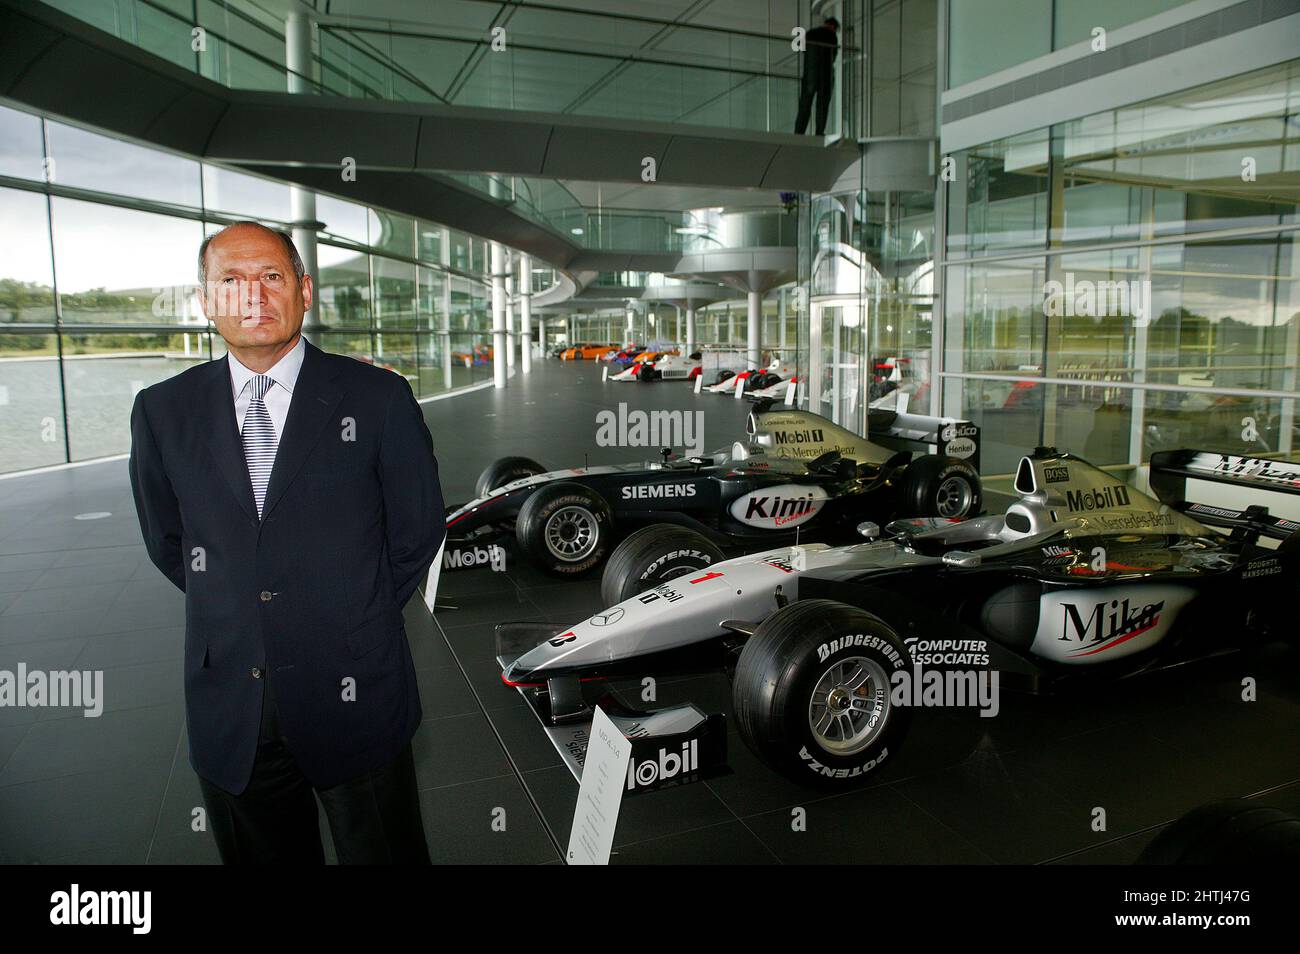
252, 294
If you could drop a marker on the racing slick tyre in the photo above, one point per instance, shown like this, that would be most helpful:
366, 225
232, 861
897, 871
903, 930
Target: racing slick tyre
647, 373
1235, 831
654, 555
938, 486
812, 693
724, 375
502, 471
565, 528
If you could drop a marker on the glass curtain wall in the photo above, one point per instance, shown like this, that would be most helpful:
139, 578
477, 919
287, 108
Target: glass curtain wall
98, 245
866, 260
1127, 282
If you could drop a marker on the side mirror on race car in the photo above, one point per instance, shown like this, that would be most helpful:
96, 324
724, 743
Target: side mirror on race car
665, 453
868, 530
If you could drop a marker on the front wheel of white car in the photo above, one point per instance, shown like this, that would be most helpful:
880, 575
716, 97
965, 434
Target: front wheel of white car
654, 555
812, 693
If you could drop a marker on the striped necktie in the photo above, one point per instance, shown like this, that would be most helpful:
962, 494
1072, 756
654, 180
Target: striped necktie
259, 437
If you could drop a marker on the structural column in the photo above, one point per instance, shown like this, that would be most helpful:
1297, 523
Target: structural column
510, 311
445, 324
755, 327
690, 329
526, 312
498, 315
302, 202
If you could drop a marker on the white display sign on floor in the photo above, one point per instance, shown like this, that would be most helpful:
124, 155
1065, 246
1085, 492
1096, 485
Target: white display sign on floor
604, 776
435, 574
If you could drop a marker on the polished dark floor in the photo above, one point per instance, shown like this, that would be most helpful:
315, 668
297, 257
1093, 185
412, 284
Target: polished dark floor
1024, 787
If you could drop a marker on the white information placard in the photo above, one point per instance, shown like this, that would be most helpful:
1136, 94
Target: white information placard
604, 776
435, 574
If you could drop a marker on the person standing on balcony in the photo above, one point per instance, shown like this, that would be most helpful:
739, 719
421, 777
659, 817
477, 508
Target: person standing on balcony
818, 74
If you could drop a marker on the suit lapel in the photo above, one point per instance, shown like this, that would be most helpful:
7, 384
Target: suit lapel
315, 397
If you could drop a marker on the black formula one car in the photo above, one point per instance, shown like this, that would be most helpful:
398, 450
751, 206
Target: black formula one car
797, 477
1081, 578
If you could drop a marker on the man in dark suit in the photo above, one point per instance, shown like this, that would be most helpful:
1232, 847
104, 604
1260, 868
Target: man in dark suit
293, 495
818, 74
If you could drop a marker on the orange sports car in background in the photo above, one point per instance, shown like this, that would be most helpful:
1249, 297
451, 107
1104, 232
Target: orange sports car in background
588, 352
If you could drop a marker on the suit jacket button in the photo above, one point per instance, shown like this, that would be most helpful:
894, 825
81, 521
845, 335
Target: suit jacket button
266, 596
257, 673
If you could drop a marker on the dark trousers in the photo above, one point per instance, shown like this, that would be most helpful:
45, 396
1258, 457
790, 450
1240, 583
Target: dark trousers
822, 91
374, 818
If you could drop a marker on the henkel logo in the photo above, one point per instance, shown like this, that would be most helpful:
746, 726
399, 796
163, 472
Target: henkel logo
663, 766
961, 448
1101, 498
788, 505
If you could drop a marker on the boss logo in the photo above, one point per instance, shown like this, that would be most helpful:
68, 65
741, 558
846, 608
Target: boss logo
1056, 475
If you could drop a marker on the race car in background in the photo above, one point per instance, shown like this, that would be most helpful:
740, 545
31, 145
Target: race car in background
1082, 579
755, 379
623, 357
671, 367
644, 364
796, 476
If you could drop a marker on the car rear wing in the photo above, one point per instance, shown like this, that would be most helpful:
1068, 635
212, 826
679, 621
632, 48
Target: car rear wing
1255, 478
938, 435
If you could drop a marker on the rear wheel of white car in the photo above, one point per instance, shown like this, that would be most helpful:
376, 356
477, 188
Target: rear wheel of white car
654, 555
565, 528
936, 486
812, 693
503, 470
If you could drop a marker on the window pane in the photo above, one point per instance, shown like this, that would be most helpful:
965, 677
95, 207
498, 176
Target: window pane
90, 161
992, 35
249, 196
345, 220
999, 199
394, 293
31, 411
104, 372
118, 265
21, 152
343, 288
1075, 21
26, 275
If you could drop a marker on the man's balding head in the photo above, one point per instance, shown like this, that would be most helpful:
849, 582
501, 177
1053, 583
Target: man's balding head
254, 290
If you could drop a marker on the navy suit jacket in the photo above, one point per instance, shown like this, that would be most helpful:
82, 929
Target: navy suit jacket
311, 595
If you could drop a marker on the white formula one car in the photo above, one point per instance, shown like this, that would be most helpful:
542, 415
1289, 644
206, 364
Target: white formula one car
755, 378
1082, 578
